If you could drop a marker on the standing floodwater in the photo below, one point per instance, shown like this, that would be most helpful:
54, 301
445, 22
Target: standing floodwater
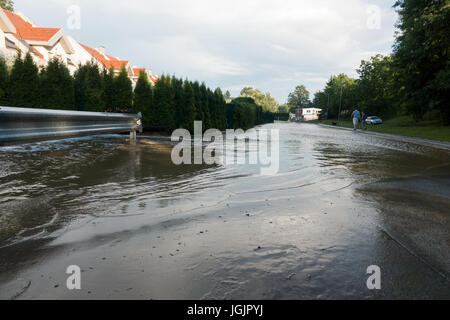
140, 227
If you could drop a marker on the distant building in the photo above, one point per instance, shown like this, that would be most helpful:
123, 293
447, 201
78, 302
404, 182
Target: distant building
310, 114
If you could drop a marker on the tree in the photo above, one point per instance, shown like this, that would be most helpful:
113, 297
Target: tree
88, 86
164, 103
177, 87
109, 90
123, 90
213, 105
337, 87
204, 104
188, 107
374, 89
221, 114
56, 86
198, 107
7, 4
227, 95
143, 98
422, 55
245, 113
24, 83
266, 101
4, 80
299, 98
284, 109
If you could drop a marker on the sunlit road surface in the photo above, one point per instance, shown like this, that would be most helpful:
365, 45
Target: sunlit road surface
142, 228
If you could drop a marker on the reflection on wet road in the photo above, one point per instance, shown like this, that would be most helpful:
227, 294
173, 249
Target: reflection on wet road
141, 227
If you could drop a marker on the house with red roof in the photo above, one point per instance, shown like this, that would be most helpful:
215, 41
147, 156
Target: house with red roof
107, 61
19, 35
137, 72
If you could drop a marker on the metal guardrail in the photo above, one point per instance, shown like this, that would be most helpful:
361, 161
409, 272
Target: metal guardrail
22, 124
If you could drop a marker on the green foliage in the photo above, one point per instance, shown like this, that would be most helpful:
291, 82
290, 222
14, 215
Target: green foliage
56, 86
204, 105
188, 107
299, 98
164, 104
123, 91
89, 94
244, 113
143, 98
4, 80
422, 55
227, 96
375, 87
7, 4
109, 90
177, 85
198, 107
23, 89
172, 103
220, 113
282, 116
284, 108
330, 98
266, 101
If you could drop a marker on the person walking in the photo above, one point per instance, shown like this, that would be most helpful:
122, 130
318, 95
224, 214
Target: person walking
363, 121
356, 115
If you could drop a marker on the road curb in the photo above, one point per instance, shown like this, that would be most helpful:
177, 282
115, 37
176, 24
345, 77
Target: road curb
426, 142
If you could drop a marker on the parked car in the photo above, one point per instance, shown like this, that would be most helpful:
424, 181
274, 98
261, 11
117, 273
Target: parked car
374, 120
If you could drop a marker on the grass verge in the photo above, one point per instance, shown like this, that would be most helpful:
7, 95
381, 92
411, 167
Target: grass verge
403, 126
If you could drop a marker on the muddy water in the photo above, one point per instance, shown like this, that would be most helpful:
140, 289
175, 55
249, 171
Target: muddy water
142, 228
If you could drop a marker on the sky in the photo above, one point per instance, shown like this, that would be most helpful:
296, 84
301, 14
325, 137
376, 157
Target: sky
271, 45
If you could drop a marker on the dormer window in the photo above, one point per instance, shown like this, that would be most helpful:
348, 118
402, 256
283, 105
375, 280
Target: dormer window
10, 44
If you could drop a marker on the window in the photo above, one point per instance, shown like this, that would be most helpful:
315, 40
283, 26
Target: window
10, 44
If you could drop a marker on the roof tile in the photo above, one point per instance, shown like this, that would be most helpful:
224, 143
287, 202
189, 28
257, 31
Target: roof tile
36, 34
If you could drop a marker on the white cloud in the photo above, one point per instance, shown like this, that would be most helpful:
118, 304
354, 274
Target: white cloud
227, 43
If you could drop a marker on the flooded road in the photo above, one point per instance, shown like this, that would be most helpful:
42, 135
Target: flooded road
142, 228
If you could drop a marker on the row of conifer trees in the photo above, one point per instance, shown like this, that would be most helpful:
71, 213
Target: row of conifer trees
169, 104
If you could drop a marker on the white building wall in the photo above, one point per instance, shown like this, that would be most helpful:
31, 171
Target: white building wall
311, 114
80, 56
10, 54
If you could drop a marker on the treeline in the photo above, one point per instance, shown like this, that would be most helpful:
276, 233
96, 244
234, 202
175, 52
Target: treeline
244, 113
414, 80
53, 87
171, 103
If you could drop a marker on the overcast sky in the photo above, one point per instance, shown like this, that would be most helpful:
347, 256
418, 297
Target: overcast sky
272, 45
